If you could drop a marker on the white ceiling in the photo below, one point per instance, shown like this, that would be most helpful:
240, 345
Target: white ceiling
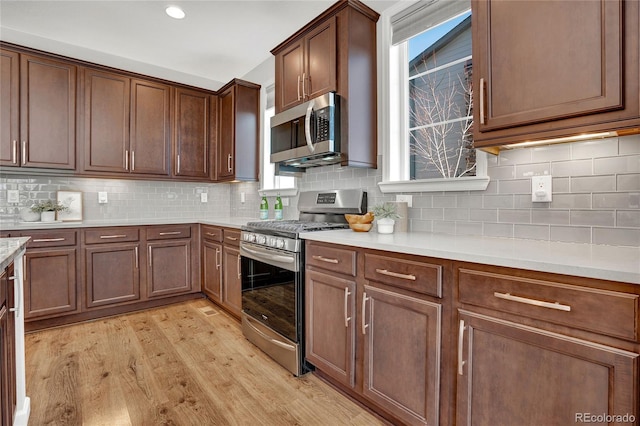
216, 42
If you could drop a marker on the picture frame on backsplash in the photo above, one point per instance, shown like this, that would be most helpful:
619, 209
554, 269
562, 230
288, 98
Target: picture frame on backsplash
73, 201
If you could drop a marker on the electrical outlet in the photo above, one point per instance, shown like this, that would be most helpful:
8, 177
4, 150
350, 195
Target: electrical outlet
541, 189
13, 196
285, 201
102, 197
203, 197
243, 197
405, 198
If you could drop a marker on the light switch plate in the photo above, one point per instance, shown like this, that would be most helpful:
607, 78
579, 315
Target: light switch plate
405, 198
203, 197
102, 197
13, 196
541, 189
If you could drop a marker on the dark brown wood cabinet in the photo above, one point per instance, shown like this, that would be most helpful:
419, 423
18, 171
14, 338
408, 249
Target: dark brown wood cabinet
211, 252
370, 335
579, 74
335, 52
191, 145
555, 347
330, 310
170, 260
306, 68
238, 145
231, 272
38, 111
50, 274
126, 124
7, 347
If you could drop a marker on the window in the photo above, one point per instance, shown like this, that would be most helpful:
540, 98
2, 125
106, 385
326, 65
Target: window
428, 135
270, 183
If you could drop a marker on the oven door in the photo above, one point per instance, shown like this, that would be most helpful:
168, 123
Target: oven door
271, 285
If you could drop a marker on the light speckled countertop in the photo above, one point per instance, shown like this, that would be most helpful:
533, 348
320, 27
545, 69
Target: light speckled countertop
583, 260
9, 248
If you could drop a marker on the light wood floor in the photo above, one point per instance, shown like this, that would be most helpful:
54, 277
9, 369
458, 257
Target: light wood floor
186, 364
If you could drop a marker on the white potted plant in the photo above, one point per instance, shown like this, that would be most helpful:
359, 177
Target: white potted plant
386, 216
48, 209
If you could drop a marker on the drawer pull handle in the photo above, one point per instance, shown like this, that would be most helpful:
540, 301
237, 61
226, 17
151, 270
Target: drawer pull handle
232, 238
347, 293
48, 240
396, 274
212, 234
325, 259
108, 237
364, 317
171, 233
534, 302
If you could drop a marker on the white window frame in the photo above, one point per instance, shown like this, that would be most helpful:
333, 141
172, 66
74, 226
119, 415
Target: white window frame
393, 107
270, 184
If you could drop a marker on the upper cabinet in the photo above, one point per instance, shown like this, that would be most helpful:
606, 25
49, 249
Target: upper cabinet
38, 115
238, 141
126, 124
553, 69
191, 146
306, 68
335, 52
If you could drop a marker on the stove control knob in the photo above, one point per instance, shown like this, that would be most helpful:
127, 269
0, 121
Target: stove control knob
272, 242
280, 243
261, 239
250, 237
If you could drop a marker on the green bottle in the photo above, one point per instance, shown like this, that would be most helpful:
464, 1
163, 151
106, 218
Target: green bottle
278, 208
264, 208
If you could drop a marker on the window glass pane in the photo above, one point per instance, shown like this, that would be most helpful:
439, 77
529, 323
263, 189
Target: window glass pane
440, 109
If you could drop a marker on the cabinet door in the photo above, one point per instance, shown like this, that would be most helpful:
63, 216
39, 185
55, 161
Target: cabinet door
226, 140
330, 332
168, 267
47, 113
232, 282
191, 143
546, 60
9, 108
320, 60
112, 273
50, 284
106, 133
7, 347
402, 354
510, 374
289, 76
212, 270
150, 127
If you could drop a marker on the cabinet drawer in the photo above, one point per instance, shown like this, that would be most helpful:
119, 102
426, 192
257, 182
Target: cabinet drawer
231, 237
420, 277
334, 259
55, 238
602, 311
211, 233
168, 232
111, 235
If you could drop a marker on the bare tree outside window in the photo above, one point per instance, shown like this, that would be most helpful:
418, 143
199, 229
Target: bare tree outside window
441, 108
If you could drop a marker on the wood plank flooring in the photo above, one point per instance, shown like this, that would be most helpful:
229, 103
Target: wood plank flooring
185, 364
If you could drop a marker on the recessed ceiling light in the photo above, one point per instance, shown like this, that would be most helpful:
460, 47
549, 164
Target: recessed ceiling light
175, 12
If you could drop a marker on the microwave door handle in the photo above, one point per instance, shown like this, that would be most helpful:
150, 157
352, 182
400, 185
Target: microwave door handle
307, 126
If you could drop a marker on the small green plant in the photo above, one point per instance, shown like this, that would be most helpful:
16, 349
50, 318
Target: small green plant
48, 206
386, 210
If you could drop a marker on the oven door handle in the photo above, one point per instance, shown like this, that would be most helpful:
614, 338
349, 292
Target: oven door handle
264, 336
288, 262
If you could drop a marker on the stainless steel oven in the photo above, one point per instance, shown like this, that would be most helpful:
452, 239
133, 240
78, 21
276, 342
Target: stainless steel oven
272, 262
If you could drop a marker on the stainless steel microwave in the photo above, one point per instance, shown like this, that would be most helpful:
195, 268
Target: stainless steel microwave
307, 135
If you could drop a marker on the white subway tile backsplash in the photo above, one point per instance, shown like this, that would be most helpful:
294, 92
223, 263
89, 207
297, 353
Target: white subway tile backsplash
593, 183
498, 201
514, 156
616, 236
628, 218
571, 201
528, 170
616, 165
531, 232
594, 148
549, 216
571, 234
551, 153
616, 200
629, 145
518, 186
629, 182
572, 168
514, 216
592, 218
498, 230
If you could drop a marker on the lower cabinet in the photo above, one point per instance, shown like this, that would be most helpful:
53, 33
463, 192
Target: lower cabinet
211, 255
511, 374
7, 348
382, 343
50, 274
169, 260
112, 274
231, 273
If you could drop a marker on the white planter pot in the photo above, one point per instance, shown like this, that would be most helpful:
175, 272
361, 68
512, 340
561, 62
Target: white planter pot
48, 216
385, 225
